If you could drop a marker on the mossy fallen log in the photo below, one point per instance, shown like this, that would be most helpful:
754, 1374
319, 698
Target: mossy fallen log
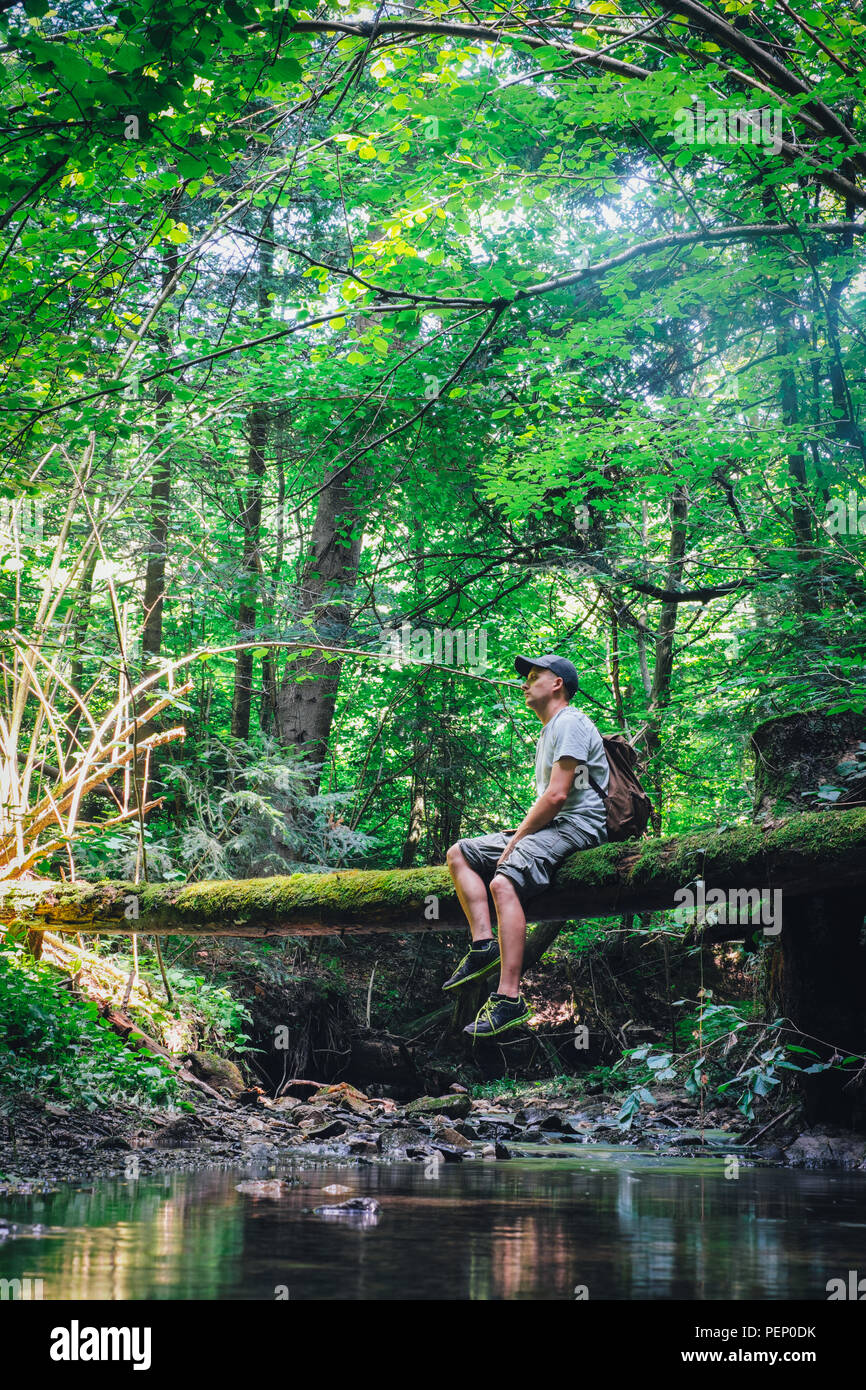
796, 856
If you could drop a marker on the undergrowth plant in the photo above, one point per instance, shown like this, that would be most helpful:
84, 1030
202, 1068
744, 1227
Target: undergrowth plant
240, 809
54, 1041
203, 1014
726, 1058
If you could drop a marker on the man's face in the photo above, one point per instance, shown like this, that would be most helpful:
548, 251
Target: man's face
539, 685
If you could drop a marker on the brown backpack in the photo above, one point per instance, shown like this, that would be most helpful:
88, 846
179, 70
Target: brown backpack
628, 807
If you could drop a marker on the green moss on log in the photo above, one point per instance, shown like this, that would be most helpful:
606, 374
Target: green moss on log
823, 839
798, 855
247, 902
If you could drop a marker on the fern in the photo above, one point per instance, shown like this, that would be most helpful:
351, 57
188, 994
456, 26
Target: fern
244, 810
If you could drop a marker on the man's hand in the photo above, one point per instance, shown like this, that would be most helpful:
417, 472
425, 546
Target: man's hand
508, 848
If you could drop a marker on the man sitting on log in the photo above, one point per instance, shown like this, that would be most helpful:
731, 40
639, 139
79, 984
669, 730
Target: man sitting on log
518, 864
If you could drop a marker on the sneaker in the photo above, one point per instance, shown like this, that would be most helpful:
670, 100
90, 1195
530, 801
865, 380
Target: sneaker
474, 964
498, 1015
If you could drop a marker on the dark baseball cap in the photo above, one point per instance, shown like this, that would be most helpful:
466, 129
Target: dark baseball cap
551, 662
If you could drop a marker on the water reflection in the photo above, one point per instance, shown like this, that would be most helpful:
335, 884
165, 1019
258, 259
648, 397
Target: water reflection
621, 1225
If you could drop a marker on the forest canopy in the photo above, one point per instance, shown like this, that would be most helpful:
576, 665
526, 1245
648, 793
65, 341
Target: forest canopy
349, 351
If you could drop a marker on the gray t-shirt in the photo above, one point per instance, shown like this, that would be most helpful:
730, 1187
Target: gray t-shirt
571, 734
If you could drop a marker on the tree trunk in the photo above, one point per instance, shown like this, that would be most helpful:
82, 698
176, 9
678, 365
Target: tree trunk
307, 696
448, 774
308, 693
847, 427
664, 653
160, 501
153, 600
416, 810
798, 754
420, 733
823, 995
251, 515
157, 546
823, 965
268, 702
801, 516
250, 521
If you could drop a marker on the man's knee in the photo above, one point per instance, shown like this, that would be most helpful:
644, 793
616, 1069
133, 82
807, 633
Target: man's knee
502, 887
454, 857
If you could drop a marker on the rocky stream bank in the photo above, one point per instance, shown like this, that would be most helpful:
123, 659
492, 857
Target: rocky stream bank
43, 1144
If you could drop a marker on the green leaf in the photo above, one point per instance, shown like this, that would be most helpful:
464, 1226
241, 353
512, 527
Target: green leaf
286, 67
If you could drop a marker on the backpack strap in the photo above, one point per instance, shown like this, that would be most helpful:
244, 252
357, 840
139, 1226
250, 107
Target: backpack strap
597, 789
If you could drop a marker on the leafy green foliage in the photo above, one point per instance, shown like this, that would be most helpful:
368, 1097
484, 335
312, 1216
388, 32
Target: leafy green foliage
720, 1062
203, 1013
53, 1042
485, 288
240, 811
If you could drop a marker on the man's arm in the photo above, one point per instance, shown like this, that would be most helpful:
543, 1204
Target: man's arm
548, 805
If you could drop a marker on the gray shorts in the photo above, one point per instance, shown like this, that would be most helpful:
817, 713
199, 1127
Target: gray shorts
534, 860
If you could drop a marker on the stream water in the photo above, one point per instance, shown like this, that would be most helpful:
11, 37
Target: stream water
600, 1223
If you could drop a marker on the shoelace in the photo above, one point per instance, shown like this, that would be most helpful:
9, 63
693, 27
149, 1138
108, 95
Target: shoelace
467, 958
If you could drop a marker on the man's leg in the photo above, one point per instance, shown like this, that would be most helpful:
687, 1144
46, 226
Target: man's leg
472, 893
505, 1008
512, 934
531, 865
